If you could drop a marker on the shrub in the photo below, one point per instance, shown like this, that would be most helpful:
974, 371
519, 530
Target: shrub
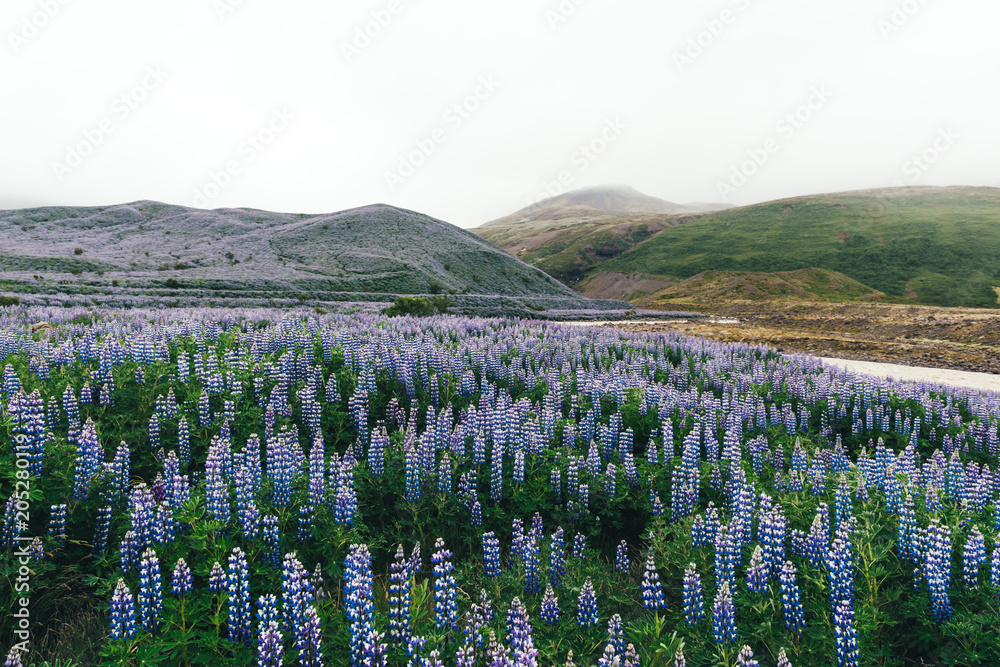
410, 305
435, 287
77, 251
9, 301
172, 283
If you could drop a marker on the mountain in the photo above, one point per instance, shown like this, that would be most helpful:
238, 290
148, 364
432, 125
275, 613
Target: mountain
372, 249
570, 234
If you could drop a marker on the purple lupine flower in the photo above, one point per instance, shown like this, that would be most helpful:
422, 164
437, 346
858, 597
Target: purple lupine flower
180, 580
519, 630
491, 554
270, 647
973, 557
122, 612
239, 601
445, 609
586, 613
724, 616
57, 523
694, 608
652, 590
995, 567
791, 603
309, 639
532, 574
679, 660
745, 658
579, 545
150, 591
550, 606
783, 659
557, 558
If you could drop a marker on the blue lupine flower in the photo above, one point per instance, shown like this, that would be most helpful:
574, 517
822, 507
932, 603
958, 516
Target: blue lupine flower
845, 636
399, 599
550, 606
652, 590
309, 640
217, 579
180, 581
937, 570
724, 616
491, 554
557, 558
783, 658
791, 603
621, 558
616, 634
150, 591
122, 612
973, 557
532, 573
101, 527
757, 572
358, 601
57, 523
240, 611
445, 609
694, 609
586, 613
579, 545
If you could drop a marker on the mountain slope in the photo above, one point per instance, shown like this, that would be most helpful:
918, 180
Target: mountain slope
568, 235
376, 248
932, 245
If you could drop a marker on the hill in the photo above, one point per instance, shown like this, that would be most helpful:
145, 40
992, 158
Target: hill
373, 249
932, 245
567, 236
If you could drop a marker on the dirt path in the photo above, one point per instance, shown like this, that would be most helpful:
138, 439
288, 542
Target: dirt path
981, 381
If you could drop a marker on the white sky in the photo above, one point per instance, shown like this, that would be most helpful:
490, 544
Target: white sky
229, 69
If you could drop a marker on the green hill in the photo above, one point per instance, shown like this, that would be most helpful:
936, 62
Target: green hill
933, 245
570, 235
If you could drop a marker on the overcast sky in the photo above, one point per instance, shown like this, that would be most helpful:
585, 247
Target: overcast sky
467, 110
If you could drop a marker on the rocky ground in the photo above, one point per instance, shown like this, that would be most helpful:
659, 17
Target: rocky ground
958, 338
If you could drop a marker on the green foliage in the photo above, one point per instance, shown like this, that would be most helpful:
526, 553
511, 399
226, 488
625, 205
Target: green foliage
172, 283
416, 306
9, 301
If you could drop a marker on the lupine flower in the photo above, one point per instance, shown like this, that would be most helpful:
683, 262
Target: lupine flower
270, 648
995, 567
217, 579
579, 545
491, 554
783, 659
791, 603
724, 616
845, 636
694, 609
757, 572
745, 658
973, 557
616, 635
150, 591
586, 613
532, 574
652, 590
180, 580
399, 599
609, 658
445, 609
57, 523
557, 558
309, 642
621, 558
679, 660
519, 629
550, 606
937, 570
240, 612
122, 612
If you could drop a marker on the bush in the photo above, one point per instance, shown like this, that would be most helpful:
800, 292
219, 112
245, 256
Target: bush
9, 301
77, 251
435, 287
410, 305
172, 283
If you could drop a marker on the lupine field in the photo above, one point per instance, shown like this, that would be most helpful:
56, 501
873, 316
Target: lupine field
235, 487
